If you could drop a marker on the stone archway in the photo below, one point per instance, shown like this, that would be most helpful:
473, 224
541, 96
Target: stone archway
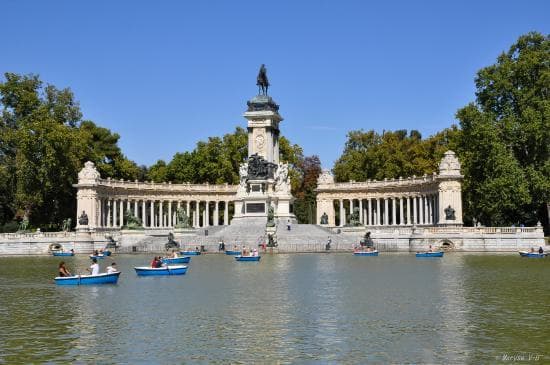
55, 247
446, 244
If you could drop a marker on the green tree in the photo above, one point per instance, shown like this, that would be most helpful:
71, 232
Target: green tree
511, 114
369, 155
305, 196
43, 145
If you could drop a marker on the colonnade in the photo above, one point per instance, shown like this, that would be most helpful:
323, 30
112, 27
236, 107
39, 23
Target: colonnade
159, 213
388, 211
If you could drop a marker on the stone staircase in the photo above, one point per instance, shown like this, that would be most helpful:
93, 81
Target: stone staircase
311, 238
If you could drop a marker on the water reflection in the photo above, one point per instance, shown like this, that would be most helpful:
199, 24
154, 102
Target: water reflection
288, 308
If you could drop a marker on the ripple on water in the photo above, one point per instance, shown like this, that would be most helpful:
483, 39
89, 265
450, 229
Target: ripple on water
289, 308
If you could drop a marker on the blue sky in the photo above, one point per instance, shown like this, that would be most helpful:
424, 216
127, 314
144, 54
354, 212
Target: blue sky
166, 74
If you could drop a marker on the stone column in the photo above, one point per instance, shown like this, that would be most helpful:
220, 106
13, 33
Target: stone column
429, 209
152, 213
408, 210
170, 213
122, 213
144, 213
216, 212
115, 213
226, 213
393, 211
342, 213
401, 220
369, 212
386, 219
197, 212
421, 209
377, 214
415, 215
361, 211
188, 211
207, 214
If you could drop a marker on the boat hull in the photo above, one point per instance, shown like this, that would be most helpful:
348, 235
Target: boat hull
366, 253
233, 253
247, 258
176, 260
88, 279
63, 254
161, 271
99, 257
534, 255
106, 253
429, 254
190, 253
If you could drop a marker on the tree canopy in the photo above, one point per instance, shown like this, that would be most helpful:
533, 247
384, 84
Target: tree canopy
43, 144
505, 140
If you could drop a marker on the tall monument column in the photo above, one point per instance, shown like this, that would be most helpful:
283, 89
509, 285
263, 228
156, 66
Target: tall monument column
87, 208
264, 181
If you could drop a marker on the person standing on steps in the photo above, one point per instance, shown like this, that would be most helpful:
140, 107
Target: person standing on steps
288, 223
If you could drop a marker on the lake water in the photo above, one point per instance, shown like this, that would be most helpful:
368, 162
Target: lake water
287, 308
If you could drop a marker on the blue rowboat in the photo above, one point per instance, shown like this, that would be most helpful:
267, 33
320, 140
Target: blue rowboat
176, 260
61, 253
247, 258
107, 253
365, 253
430, 254
165, 270
100, 256
233, 253
190, 253
88, 279
532, 254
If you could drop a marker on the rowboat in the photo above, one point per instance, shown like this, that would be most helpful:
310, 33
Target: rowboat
532, 254
247, 258
430, 254
100, 256
190, 253
232, 253
365, 253
176, 260
107, 253
165, 270
88, 279
63, 253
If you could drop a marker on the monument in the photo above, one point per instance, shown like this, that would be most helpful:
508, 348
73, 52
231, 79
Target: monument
264, 180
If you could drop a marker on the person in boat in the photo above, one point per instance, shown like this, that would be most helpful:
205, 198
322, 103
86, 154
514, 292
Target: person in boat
197, 249
255, 252
94, 268
159, 262
96, 253
154, 262
430, 249
174, 254
63, 271
541, 251
112, 269
532, 250
72, 251
243, 251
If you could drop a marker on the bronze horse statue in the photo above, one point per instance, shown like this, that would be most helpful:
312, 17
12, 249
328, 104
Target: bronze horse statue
262, 81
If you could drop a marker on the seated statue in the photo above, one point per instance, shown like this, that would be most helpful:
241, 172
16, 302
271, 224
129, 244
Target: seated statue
182, 219
450, 213
354, 218
132, 222
324, 218
83, 219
